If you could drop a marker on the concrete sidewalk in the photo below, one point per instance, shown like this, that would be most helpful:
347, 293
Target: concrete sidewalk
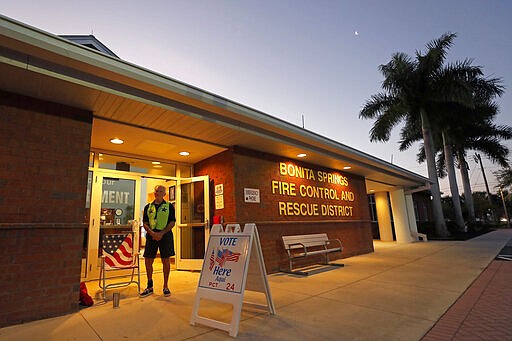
398, 292
484, 312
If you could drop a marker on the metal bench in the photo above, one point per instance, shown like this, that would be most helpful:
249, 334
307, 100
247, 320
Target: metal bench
302, 246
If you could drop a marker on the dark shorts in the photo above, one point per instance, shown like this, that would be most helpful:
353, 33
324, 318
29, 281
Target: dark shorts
166, 246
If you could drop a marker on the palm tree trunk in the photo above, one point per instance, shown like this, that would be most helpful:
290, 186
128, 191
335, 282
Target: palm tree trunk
468, 196
437, 208
454, 189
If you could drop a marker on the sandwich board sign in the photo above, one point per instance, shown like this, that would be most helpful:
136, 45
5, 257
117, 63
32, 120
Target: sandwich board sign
233, 263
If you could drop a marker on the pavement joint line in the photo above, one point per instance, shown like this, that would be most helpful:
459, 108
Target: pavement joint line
90, 326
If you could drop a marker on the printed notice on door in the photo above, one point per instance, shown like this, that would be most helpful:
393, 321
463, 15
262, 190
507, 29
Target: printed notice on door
224, 266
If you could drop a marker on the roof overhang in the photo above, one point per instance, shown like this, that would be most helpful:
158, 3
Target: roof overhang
146, 108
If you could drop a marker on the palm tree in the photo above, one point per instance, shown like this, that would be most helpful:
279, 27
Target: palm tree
482, 135
471, 119
419, 91
504, 177
410, 86
486, 140
472, 129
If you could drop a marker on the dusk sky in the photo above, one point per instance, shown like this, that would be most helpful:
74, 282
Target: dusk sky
291, 58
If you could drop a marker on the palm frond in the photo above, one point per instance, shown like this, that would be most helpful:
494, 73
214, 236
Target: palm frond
376, 105
384, 124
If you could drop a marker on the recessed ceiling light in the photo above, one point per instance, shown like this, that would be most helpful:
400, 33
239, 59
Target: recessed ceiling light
301, 155
157, 166
184, 153
115, 140
155, 162
347, 167
372, 190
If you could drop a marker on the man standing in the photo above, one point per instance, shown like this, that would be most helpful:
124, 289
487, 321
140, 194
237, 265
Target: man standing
159, 219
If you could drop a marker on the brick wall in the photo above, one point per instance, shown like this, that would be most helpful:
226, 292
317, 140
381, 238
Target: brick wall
43, 180
240, 168
355, 237
39, 272
44, 151
220, 169
257, 170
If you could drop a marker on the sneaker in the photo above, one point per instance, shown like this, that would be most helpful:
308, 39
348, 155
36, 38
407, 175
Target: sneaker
146, 292
167, 292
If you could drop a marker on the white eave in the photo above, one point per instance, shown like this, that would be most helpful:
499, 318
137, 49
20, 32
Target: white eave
123, 95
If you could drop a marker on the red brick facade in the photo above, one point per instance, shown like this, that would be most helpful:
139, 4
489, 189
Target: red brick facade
239, 168
43, 180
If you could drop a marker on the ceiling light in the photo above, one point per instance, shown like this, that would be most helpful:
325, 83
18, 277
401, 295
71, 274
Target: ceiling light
155, 162
301, 155
372, 190
115, 140
157, 166
347, 167
184, 153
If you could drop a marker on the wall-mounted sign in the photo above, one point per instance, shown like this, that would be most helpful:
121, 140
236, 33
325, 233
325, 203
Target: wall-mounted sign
219, 189
252, 195
219, 202
311, 192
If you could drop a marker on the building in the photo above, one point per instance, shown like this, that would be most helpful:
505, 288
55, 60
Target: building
64, 182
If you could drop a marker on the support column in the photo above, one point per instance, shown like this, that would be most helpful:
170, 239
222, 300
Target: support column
383, 216
410, 213
400, 217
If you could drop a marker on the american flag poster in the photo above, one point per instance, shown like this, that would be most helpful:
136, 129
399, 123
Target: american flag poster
224, 266
118, 250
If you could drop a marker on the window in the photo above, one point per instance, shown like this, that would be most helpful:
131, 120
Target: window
373, 207
130, 164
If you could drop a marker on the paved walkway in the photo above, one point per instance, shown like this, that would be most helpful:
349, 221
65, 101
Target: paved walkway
412, 292
484, 312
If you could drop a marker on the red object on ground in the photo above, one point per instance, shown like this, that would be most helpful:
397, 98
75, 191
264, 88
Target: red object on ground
85, 298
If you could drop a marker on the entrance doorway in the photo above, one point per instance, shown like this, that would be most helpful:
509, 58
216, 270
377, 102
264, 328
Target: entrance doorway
192, 217
115, 203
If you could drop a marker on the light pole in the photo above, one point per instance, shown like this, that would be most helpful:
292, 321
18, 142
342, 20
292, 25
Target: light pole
485, 178
493, 218
505, 208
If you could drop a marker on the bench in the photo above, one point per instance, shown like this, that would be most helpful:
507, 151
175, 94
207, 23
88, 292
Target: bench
302, 246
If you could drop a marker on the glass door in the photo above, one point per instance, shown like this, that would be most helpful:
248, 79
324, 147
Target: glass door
192, 215
148, 185
113, 206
